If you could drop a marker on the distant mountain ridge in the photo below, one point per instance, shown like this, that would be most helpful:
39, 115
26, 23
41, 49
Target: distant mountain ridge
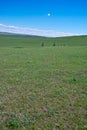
17, 34
7, 33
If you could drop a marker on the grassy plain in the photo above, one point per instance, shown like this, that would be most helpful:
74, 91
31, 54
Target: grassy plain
43, 88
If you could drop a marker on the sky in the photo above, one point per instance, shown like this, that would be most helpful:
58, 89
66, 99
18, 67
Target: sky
44, 17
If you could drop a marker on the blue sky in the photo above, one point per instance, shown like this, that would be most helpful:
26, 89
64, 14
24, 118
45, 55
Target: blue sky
66, 16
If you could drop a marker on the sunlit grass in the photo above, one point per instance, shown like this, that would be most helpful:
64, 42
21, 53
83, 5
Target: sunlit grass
42, 87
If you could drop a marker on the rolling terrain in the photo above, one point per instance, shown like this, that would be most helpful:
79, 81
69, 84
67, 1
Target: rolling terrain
43, 88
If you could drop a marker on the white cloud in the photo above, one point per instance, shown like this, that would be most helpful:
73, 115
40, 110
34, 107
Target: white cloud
33, 31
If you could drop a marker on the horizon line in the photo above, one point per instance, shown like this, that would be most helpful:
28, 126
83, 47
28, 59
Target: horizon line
34, 31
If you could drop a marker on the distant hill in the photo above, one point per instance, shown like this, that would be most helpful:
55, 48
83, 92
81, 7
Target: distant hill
7, 33
10, 39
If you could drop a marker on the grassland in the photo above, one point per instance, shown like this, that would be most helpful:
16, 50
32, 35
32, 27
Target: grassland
43, 88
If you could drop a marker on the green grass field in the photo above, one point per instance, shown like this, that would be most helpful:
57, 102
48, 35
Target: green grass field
43, 88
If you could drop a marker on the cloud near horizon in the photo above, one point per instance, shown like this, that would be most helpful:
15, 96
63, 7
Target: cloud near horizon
32, 31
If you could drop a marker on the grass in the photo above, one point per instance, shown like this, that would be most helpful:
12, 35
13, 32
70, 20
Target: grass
43, 88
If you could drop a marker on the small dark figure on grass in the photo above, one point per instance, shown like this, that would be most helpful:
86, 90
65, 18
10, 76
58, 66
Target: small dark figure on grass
54, 44
42, 44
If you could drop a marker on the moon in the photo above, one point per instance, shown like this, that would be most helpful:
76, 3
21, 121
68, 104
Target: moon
49, 14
